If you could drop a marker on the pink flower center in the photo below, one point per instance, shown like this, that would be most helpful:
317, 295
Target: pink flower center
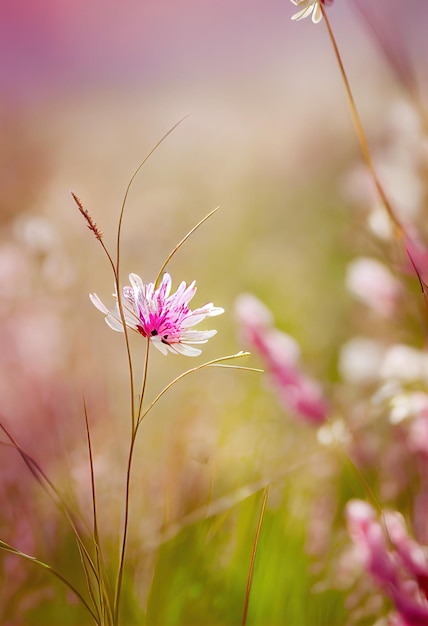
164, 322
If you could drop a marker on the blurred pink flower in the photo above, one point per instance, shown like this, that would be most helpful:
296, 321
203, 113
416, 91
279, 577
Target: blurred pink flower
164, 318
373, 283
280, 354
418, 434
397, 563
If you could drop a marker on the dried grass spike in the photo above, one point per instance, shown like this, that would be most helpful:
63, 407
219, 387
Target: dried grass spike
90, 222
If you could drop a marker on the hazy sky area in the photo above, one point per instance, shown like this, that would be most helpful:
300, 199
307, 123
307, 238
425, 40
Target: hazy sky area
63, 45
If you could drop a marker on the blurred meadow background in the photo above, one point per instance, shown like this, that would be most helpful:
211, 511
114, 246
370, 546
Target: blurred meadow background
87, 89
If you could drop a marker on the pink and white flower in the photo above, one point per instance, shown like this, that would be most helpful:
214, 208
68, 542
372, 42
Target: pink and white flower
165, 319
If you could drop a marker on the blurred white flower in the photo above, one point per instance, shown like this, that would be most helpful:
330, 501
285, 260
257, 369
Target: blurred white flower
360, 359
405, 364
372, 283
406, 405
333, 433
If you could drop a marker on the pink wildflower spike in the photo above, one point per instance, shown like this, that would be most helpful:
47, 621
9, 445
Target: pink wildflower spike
397, 563
280, 354
162, 317
368, 536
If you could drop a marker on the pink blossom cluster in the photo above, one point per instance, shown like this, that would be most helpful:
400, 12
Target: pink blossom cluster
280, 353
398, 564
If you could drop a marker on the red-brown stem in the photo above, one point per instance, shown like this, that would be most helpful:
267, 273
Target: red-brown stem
399, 229
361, 134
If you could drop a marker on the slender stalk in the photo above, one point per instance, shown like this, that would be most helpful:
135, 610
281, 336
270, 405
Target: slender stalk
388, 37
127, 490
141, 415
8, 548
125, 532
253, 555
131, 180
117, 266
368, 489
144, 383
398, 226
214, 362
52, 493
180, 243
127, 343
361, 134
105, 607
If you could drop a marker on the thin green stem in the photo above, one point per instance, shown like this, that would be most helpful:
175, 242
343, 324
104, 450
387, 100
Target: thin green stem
52, 493
127, 344
144, 383
131, 180
105, 607
8, 548
180, 243
116, 269
370, 492
125, 531
214, 362
55, 497
253, 555
127, 490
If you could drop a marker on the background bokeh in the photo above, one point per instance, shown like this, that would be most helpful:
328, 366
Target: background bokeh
87, 89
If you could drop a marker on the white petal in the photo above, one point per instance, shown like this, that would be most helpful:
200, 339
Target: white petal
317, 14
98, 304
209, 310
197, 336
192, 319
137, 287
165, 286
196, 316
180, 290
189, 293
114, 323
305, 12
183, 295
215, 310
162, 347
185, 349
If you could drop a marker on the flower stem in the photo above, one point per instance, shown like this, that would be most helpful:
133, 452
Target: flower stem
116, 609
125, 532
361, 134
94, 613
253, 555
